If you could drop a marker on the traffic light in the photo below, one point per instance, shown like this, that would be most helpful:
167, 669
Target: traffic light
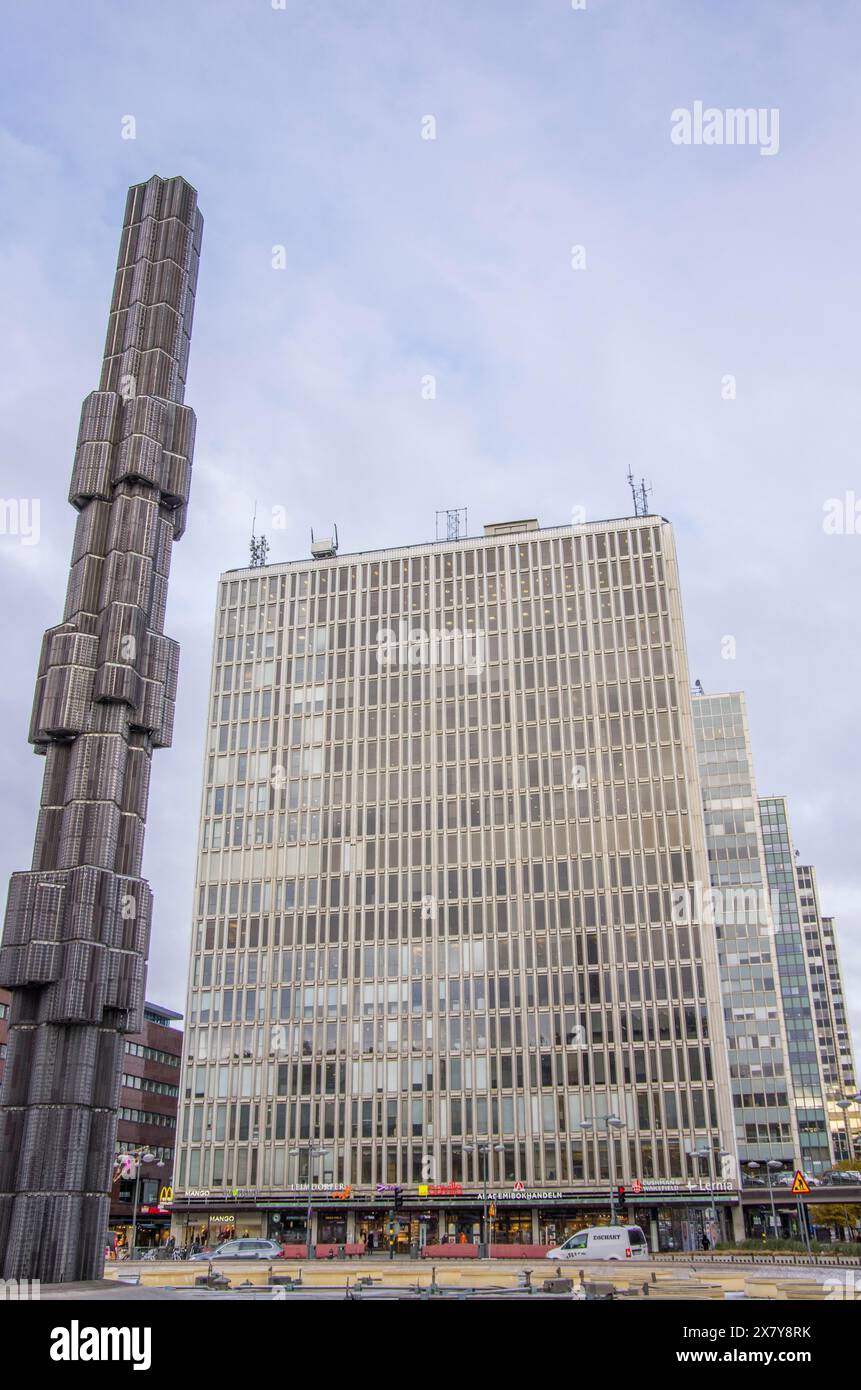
399, 1198
620, 1197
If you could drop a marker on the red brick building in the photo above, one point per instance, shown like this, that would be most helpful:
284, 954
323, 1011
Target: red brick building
147, 1119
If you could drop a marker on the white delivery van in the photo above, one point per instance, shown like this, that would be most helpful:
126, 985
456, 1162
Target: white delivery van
603, 1243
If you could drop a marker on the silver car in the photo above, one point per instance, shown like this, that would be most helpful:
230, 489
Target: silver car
242, 1250
787, 1179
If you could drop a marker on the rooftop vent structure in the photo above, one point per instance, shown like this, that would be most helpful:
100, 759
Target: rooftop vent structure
500, 528
325, 547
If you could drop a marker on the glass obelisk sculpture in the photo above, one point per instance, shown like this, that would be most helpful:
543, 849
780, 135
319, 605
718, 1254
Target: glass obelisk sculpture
76, 934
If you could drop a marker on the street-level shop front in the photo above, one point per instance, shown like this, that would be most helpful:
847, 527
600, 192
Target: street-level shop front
675, 1216
152, 1228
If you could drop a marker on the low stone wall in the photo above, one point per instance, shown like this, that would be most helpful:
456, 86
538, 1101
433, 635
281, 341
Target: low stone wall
450, 1252
519, 1252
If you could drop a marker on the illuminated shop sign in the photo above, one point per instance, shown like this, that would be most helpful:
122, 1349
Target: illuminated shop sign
329, 1187
526, 1194
679, 1185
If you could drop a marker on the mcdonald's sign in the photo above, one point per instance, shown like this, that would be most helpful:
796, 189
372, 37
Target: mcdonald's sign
165, 1197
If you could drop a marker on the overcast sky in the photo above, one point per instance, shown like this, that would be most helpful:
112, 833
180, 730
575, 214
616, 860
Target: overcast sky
302, 128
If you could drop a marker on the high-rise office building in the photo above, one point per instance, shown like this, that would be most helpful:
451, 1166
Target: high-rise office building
793, 968
831, 1017
450, 795
765, 1116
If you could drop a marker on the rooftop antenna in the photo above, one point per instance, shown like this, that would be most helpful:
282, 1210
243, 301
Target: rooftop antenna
633, 488
640, 493
258, 550
455, 523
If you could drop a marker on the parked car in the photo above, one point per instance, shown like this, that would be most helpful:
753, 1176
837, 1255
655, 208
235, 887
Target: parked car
838, 1175
242, 1250
787, 1179
603, 1243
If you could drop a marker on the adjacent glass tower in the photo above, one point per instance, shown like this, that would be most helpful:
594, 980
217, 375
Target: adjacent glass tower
450, 793
795, 986
831, 1020
759, 1056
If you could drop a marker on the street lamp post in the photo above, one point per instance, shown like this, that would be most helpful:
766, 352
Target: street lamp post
771, 1165
485, 1151
846, 1105
707, 1154
587, 1127
610, 1122
723, 1154
140, 1156
613, 1122
312, 1154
